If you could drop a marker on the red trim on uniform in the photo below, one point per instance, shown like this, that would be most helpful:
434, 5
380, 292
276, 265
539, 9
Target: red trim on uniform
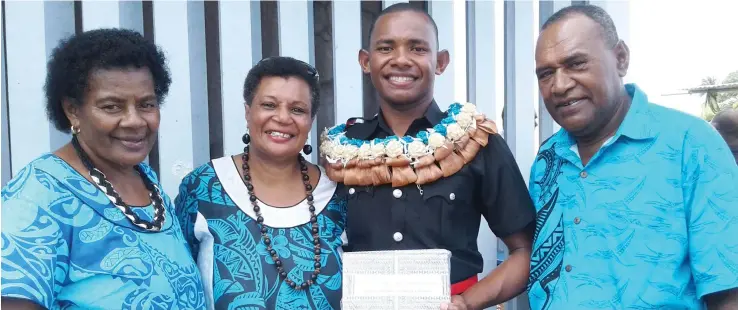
460, 287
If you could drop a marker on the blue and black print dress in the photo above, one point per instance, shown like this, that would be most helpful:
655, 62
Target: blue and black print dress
219, 224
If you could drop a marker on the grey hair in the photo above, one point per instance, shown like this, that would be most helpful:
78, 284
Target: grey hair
593, 12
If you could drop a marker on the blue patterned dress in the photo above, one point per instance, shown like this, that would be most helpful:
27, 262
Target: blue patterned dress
65, 246
219, 223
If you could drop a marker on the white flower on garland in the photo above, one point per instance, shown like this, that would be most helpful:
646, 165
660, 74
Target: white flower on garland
365, 151
454, 132
377, 149
417, 149
394, 148
460, 119
436, 140
465, 119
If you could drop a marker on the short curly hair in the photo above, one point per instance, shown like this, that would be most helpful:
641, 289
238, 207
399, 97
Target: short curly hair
76, 57
282, 66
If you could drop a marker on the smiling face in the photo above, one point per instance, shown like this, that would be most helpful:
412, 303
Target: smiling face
579, 75
403, 58
119, 116
279, 118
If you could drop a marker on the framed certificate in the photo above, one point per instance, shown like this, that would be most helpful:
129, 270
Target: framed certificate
407, 280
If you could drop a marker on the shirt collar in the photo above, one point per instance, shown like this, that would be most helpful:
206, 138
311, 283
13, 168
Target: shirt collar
638, 124
433, 115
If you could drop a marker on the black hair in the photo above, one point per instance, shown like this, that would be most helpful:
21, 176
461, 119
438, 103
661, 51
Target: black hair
404, 7
283, 67
78, 56
593, 12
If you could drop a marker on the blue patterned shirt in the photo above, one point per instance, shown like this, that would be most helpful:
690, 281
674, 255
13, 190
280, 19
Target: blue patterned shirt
238, 272
650, 222
65, 246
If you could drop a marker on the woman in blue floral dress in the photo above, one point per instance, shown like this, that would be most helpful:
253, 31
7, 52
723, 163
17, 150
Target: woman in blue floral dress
86, 227
265, 226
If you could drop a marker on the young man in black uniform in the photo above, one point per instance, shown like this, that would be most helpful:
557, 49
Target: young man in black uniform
402, 60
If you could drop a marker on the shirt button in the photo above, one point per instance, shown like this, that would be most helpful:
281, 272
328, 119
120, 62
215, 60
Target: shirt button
583, 174
568, 268
577, 220
352, 191
452, 196
397, 236
397, 193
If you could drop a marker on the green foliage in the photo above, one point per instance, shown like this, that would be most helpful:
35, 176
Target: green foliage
718, 101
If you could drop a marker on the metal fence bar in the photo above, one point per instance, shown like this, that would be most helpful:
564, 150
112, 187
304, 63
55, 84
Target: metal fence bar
521, 86
347, 84
112, 14
240, 49
387, 3
481, 69
33, 29
179, 28
444, 89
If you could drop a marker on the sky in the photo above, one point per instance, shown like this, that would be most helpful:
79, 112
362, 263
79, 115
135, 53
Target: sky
674, 44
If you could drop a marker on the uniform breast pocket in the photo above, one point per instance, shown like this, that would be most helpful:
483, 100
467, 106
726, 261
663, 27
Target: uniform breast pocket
447, 208
359, 211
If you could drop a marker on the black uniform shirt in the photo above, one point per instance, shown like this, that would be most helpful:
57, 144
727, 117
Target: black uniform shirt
447, 214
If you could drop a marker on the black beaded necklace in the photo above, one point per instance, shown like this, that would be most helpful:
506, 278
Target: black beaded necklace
260, 222
102, 182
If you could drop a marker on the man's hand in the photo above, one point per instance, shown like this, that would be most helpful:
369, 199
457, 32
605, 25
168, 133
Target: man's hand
457, 303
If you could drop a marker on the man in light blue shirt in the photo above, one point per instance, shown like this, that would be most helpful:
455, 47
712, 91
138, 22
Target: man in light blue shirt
637, 204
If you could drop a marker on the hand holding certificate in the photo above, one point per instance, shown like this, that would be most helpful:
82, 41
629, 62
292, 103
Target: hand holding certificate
407, 280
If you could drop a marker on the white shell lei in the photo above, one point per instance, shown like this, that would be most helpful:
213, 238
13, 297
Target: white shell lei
336, 147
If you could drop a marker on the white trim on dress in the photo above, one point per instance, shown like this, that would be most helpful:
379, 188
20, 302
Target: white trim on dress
274, 217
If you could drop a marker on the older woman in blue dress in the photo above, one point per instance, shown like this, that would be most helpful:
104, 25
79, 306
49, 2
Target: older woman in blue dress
87, 226
265, 226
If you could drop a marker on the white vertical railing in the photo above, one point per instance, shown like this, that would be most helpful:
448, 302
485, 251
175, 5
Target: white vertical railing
387, 3
482, 68
296, 40
444, 91
347, 82
240, 49
179, 28
521, 84
112, 14
33, 29
482, 51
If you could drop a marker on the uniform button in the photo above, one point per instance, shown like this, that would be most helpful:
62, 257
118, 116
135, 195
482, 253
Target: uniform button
577, 220
583, 174
352, 191
452, 196
568, 268
397, 236
397, 193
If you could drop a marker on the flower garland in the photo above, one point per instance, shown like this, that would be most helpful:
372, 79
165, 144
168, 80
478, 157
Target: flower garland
409, 159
